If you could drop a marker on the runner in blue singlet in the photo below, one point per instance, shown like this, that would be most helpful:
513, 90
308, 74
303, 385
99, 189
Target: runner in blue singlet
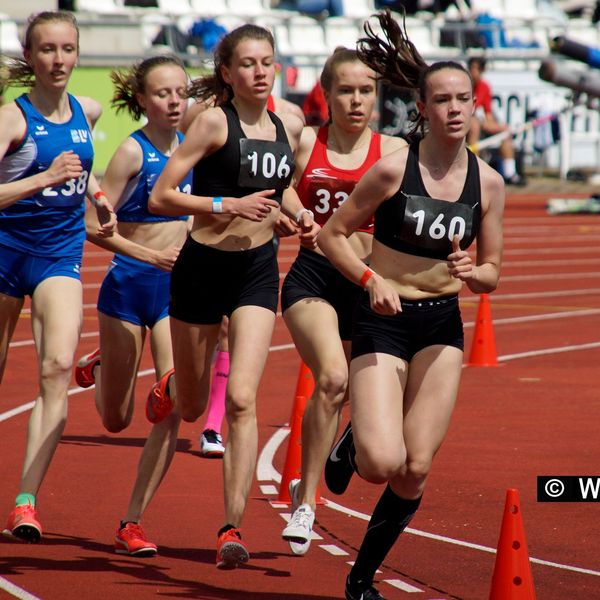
45, 174
134, 297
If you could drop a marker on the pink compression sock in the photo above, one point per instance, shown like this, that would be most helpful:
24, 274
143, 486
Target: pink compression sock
216, 400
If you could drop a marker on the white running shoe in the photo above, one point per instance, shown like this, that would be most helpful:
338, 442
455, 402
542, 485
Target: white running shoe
211, 444
298, 531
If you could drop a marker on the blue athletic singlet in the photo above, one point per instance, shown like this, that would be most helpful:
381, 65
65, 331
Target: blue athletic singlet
49, 222
133, 204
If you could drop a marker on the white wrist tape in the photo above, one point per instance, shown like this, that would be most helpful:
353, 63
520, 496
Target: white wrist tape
301, 212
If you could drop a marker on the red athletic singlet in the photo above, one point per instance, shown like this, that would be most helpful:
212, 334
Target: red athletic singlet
323, 187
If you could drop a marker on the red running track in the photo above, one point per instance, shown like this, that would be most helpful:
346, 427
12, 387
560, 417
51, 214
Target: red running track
535, 414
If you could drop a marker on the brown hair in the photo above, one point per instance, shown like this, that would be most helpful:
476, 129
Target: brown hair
132, 82
212, 89
341, 55
397, 61
16, 71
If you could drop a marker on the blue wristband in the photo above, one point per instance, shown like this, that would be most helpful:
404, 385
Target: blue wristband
217, 204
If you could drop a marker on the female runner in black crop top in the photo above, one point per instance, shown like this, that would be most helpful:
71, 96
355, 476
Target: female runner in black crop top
242, 156
407, 345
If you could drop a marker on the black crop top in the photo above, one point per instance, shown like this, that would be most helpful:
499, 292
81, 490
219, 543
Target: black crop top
242, 165
413, 222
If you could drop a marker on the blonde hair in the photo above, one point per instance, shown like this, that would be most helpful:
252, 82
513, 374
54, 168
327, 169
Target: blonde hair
16, 71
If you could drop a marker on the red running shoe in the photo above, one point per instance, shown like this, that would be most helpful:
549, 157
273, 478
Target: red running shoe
159, 404
84, 371
131, 540
23, 524
231, 551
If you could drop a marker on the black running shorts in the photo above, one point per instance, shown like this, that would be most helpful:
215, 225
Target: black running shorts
422, 323
207, 283
313, 276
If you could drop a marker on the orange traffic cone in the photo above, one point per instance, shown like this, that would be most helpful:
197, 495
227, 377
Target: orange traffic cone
483, 349
512, 578
293, 457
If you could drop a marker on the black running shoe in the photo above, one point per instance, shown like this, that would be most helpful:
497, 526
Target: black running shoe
357, 590
339, 467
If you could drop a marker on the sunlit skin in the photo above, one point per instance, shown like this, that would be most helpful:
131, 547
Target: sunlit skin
450, 104
313, 322
53, 55
164, 104
252, 70
351, 101
243, 223
352, 97
164, 100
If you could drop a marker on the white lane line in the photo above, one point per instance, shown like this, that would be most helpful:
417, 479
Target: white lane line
71, 392
402, 585
448, 540
30, 342
467, 324
543, 352
546, 250
535, 295
551, 239
333, 550
544, 317
265, 466
563, 262
265, 471
15, 590
552, 276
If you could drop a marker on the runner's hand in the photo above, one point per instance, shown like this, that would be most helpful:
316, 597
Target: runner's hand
460, 264
384, 299
106, 217
64, 167
254, 207
165, 259
284, 226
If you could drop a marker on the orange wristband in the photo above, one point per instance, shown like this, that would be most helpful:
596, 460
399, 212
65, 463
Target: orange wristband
366, 276
98, 194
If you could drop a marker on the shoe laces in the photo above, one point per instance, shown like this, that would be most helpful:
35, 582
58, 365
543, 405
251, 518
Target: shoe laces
134, 530
26, 509
211, 436
302, 517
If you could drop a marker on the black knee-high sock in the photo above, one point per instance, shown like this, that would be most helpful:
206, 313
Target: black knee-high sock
391, 516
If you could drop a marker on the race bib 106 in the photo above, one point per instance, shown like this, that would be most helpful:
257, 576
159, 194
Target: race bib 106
265, 165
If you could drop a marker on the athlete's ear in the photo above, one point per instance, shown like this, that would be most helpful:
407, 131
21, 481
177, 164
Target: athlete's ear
139, 98
225, 74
